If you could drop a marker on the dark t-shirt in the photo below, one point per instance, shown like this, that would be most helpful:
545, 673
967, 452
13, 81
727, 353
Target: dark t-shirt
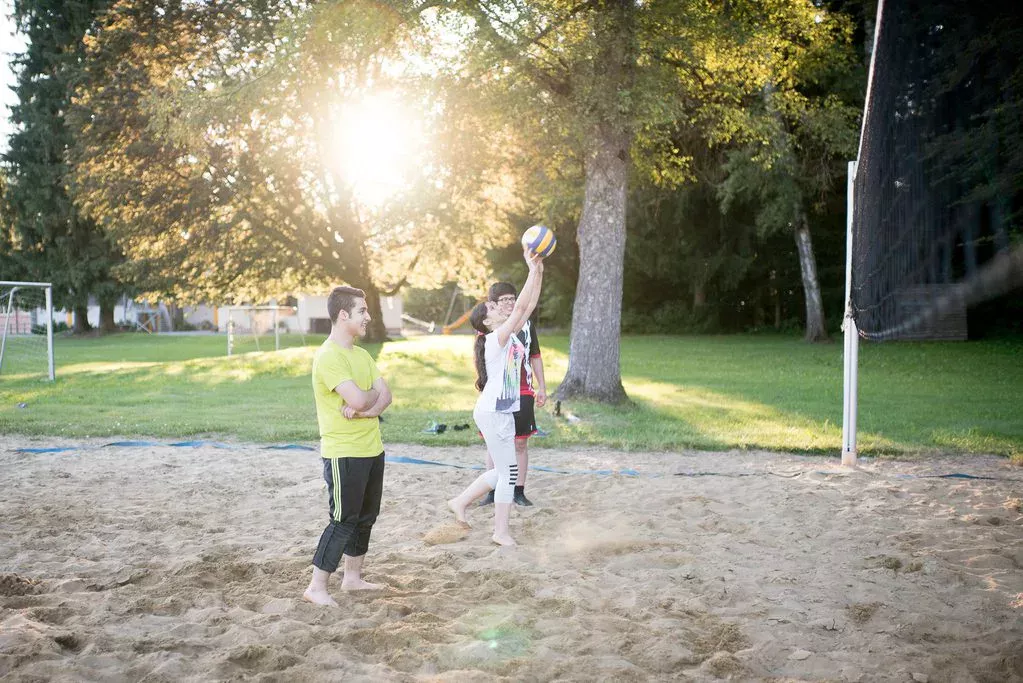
527, 335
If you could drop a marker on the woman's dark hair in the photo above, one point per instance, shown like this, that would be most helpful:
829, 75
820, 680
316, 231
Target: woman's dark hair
476, 318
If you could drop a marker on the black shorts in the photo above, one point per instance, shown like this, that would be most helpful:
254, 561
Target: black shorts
525, 418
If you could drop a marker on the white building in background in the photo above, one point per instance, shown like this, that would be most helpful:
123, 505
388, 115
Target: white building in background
311, 314
308, 316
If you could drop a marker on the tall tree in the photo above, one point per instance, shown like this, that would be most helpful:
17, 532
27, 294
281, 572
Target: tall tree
55, 242
213, 144
8, 262
797, 134
789, 174
615, 84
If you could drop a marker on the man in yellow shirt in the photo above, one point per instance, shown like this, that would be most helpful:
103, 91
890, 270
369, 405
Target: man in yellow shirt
350, 395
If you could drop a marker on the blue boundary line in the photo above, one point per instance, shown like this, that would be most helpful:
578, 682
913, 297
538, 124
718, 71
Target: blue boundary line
628, 472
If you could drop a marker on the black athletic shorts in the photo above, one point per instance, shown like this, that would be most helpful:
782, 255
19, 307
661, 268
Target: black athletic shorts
525, 418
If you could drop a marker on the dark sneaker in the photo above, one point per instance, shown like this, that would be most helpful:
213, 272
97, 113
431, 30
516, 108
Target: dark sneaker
520, 499
487, 499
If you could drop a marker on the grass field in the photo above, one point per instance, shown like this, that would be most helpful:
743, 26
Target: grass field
709, 393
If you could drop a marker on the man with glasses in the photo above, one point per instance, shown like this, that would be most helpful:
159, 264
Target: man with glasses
505, 294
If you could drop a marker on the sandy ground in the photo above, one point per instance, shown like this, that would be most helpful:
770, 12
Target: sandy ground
187, 564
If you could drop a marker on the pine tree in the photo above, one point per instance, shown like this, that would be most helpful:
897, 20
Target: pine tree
54, 242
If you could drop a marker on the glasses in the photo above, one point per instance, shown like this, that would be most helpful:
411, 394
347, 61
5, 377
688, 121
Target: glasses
507, 299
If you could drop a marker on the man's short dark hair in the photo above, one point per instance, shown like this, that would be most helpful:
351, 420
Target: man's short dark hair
342, 299
499, 289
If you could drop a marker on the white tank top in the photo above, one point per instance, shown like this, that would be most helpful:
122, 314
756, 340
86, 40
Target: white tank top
504, 368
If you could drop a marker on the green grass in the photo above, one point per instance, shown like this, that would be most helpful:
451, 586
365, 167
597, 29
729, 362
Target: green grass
717, 393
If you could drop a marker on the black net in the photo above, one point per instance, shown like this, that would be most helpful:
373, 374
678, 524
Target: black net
937, 188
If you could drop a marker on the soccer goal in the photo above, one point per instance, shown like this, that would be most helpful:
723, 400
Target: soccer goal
260, 328
26, 328
929, 226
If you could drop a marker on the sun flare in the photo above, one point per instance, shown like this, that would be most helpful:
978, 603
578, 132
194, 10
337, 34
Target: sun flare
375, 144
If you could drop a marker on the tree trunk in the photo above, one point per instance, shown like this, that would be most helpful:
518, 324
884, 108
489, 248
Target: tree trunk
106, 318
82, 325
999, 211
971, 214
699, 295
815, 330
776, 300
594, 367
376, 332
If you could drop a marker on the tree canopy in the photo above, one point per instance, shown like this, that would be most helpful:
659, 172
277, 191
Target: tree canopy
238, 151
213, 145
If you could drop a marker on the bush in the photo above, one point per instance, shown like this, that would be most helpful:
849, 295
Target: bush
676, 316
671, 317
57, 327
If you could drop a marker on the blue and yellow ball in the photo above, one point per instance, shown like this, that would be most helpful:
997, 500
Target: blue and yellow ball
540, 240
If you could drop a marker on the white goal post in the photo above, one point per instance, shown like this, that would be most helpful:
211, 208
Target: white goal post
252, 323
26, 316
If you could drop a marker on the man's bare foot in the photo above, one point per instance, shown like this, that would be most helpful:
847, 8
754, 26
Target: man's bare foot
459, 512
503, 539
319, 597
359, 585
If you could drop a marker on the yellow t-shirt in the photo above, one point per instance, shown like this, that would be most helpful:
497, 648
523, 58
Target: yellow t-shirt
340, 437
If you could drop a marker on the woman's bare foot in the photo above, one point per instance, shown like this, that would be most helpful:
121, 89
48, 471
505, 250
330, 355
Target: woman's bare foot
318, 597
459, 511
359, 585
503, 539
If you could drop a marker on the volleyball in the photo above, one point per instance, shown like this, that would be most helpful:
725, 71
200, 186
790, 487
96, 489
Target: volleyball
540, 240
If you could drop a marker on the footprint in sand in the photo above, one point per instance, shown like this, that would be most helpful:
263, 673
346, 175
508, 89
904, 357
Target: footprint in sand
450, 532
12, 584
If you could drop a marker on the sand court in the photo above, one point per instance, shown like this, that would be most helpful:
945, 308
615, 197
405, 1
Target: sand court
186, 564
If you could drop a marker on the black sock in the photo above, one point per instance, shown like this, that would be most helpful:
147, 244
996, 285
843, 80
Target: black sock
520, 489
